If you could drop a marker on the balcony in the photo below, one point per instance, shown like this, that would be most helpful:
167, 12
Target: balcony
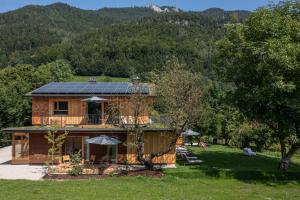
86, 121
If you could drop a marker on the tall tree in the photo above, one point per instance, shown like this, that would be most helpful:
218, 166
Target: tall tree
262, 58
180, 101
15, 82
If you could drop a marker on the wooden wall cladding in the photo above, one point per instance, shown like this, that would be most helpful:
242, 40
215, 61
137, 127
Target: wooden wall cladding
43, 108
154, 142
38, 148
40, 106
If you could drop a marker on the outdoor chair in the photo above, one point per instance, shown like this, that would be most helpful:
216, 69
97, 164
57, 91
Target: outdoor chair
249, 152
92, 160
203, 145
191, 161
185, 155
66, 159
180, 150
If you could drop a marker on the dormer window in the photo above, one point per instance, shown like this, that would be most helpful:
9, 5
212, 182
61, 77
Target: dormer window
60, 108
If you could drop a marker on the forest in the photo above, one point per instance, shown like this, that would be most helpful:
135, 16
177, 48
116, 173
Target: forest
249, 62
116, 42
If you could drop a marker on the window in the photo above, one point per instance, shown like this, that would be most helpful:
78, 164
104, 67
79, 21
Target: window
61, 108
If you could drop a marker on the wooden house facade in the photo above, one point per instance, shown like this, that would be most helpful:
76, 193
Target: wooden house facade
88, 110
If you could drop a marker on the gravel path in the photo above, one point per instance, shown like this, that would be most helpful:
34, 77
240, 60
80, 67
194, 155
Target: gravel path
8, 171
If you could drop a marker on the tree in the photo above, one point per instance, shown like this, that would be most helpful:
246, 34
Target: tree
180, 100
55, 142
181, 96
248, 133
261, 58
15, 82
136, 105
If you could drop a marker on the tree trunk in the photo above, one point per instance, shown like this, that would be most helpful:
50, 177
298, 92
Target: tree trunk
284, 163
282, 147
226, 140
149, 164
286, 156
285, 159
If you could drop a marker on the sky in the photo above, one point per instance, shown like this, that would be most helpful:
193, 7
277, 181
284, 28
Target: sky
195, 5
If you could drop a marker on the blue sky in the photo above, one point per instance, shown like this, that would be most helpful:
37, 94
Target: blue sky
6, 5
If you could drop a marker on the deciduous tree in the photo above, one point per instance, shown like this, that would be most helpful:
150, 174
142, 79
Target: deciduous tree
181, 101
262, 58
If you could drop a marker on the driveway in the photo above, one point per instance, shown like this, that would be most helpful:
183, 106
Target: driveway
8, 171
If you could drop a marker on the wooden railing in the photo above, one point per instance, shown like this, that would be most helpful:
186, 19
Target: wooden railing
67, 120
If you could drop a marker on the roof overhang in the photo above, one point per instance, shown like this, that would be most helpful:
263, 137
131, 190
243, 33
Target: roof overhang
44, 129
29, 94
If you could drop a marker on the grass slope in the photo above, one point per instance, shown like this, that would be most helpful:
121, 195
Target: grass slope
225, 174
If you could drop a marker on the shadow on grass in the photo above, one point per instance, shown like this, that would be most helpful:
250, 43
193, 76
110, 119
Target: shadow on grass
223, 164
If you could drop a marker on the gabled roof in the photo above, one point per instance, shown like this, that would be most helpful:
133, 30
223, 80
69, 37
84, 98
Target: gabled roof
90, 88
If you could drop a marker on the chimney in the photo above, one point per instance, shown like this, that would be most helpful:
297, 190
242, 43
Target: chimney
92, 80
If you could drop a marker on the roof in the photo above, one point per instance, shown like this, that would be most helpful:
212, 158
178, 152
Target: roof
44, 129
89, 88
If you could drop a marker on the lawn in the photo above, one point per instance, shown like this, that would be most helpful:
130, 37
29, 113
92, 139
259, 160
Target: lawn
225, 174
99, 79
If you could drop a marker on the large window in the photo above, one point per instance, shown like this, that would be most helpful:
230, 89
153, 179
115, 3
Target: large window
72, 145
60, 108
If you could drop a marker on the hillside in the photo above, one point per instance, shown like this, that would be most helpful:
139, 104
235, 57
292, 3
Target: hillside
110, 41
35, 26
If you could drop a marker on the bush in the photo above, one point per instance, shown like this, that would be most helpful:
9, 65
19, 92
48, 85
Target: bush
252, 133
77, 167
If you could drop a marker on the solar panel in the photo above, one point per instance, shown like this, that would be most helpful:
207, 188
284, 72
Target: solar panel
91, 88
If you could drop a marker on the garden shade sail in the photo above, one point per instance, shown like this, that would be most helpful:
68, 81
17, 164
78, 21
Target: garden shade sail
94, 99
103, 140
190, 133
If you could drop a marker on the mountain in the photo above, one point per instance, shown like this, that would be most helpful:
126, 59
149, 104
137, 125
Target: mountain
34, 26
164, 9
223, 16
112, 41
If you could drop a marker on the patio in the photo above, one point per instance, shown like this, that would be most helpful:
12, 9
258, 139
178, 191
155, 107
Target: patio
26, 172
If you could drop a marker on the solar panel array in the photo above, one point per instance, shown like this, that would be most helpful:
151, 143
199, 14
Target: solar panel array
92, 88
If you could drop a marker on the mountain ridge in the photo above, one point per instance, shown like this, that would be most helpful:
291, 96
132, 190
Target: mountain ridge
39, 34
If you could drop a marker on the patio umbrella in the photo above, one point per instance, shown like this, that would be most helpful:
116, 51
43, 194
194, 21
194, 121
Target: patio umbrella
189, 132
94, 99
103, 140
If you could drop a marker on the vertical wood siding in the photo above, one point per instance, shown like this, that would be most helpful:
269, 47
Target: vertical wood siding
44, 106
154, 142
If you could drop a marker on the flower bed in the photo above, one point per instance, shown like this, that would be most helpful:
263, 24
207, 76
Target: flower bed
147, 173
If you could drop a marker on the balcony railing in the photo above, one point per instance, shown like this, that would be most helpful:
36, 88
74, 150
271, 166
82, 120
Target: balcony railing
81, 120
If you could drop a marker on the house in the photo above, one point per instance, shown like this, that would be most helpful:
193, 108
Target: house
87, 110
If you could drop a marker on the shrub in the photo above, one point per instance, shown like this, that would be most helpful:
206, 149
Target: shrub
77, 167
252, 133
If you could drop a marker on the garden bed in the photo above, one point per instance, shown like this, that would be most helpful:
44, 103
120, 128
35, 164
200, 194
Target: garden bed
146, 173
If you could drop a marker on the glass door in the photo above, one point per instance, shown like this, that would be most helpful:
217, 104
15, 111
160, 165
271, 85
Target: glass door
72, 145
112, 153
94, 112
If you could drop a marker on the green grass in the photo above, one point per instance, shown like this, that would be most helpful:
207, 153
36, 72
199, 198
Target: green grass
100, 79
224, 174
